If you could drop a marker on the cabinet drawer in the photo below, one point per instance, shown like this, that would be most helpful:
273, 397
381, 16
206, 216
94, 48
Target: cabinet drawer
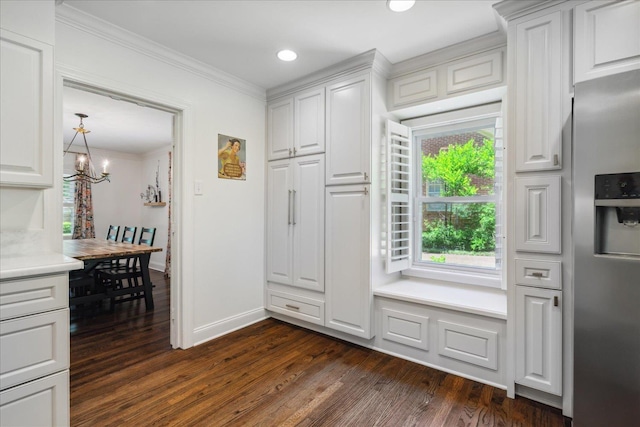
44, 402
484, 70
541, 274
405, 328
303, 308
468, 344
33, 347
22, 297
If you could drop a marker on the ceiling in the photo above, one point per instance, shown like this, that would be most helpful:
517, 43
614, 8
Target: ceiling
115, 125
241, 38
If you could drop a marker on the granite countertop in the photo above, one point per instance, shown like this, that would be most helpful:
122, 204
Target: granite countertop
22, 265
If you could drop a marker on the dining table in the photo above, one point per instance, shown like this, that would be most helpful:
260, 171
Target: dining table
94, 252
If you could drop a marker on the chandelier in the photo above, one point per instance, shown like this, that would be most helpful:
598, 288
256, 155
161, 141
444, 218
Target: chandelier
89, 175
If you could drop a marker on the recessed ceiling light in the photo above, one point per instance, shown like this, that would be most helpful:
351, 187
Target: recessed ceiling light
287, 55
400, 5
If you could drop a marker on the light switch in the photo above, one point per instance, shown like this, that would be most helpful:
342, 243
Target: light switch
197, 187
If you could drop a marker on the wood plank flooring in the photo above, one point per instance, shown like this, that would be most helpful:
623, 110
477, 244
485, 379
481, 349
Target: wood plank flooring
124, 373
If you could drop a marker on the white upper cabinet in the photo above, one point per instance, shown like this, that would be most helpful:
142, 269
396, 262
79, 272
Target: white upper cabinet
538, 92
309, 123
349, 131
295, 125
280, 129
26, 76
607, 38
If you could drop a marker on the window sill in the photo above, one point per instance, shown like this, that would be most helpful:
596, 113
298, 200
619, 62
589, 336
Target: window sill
455, 276
478, 300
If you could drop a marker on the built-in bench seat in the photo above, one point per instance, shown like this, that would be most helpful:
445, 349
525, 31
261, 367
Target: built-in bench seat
483, 301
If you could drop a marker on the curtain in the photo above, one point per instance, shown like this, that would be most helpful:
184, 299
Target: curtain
167, 263
83, 227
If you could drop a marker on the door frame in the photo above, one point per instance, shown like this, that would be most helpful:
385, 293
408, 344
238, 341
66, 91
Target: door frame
181, 284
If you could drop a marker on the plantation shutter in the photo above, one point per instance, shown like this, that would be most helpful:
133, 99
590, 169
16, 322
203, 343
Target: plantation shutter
399, 179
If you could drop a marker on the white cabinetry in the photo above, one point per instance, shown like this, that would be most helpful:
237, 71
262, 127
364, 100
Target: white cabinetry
539, 339
349, 131
537, 87
295, 229
607, 38
295, 125
34, 339
26, 76
538, 214
348, 283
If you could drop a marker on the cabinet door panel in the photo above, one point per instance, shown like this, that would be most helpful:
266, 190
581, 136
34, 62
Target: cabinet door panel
348, 293
279, 222
539, 93
539, 339
308, 223
26, 84
280, 129
538, 214
309, 123
349, 131
607, 38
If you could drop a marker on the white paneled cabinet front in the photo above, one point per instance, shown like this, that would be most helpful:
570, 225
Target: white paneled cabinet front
27, 111
539, 339
309, 128
538, 214
607, 38
348, 131
295, 231
538, 92
348, 295
280, 129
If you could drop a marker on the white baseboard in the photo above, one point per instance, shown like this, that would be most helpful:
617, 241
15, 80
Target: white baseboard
222, 327
157, 266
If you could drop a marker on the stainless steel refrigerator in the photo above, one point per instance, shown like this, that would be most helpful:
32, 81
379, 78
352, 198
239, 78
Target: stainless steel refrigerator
606, 236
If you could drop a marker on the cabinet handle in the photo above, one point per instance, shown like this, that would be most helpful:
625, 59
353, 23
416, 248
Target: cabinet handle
294, 151
366, 191
556, 301
556, 161
366, 177
537, 274
292, 307
289, 208
294, 207
289, 152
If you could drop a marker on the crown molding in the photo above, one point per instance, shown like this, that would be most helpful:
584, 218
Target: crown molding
367, 61
480, 44
72, 17
513, 9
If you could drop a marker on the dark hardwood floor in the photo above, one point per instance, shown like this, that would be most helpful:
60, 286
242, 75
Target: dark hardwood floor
124, 373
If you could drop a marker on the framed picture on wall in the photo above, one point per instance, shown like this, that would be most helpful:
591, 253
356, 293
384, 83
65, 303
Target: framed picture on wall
232, 158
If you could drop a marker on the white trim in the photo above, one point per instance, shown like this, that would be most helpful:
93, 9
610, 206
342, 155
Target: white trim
68, 15
449, 273
450, 118
222, 327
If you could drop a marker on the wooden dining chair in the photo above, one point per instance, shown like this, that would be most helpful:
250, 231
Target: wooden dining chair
112, 233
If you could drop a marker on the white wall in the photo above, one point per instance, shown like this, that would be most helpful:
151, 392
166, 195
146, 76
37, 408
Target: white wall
157, 217
222, 276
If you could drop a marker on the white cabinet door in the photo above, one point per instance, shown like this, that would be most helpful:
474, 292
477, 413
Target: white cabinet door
279, 222
538, 92
348, 286
349, 131
309, 122
280, 129
308, 222
26, 122
607, 38
539, 339
538, 214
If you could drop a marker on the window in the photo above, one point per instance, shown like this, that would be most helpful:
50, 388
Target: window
68, 208
455, 187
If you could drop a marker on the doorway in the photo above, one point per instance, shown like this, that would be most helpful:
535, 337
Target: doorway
107, 109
